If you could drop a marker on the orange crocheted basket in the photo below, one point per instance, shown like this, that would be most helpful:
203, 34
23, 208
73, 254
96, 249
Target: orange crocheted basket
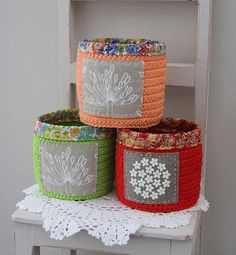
158, 169
121, 83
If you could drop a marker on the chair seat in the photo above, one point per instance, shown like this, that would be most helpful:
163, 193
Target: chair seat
29, 236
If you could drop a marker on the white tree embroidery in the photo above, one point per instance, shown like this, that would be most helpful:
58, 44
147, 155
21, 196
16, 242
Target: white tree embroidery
107, 89
63, 170
149, 178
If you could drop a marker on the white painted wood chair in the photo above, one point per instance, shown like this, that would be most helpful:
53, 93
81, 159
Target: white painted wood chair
29, 235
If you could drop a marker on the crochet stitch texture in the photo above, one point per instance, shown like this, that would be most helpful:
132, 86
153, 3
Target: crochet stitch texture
171, 136
154, 78
60, 170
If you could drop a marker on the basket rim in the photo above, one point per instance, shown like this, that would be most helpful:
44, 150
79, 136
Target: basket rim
53, 125
122, 46
188, 135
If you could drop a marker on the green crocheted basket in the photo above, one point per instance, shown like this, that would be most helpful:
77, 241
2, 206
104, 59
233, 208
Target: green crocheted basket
71, 160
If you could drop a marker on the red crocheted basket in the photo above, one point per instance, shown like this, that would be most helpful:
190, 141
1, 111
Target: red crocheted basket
158, 169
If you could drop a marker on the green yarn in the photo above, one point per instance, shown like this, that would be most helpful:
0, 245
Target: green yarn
105, 167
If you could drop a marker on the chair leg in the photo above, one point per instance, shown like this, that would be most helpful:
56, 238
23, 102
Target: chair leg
72, 252
23, 240
36, 250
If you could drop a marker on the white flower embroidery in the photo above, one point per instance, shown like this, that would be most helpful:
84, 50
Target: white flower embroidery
149, 178
145, 194
157, 174
161, 191
137, 190
161, 166
141, 173
110, 90
139, 113
144, 162
157, 183
149, 188
137, 165
166, 174
154, 162
149, 169
166, 183
133, 173
152, 181
133, 182
64, 171
154, 195
141, 74
141, 183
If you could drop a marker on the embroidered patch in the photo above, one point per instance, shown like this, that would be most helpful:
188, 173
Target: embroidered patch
69, 169
151, 178
112, 88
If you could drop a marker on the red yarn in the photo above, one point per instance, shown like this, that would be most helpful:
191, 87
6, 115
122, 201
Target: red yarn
190, 162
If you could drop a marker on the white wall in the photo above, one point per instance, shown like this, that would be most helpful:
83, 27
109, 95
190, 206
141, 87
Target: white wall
220, 221
29, 86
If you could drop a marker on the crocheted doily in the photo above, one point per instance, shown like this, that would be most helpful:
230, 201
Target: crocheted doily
104, 218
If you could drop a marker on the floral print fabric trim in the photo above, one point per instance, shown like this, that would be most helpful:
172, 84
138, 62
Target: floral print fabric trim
119, 46
169, 134
66, 126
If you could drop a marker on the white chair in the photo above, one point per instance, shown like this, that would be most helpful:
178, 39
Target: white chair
29, 236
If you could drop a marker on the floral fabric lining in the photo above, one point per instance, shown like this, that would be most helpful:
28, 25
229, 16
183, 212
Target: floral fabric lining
169, 134
51, 126
119, 46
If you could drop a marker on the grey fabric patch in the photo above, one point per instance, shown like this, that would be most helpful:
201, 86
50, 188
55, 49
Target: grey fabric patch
69, 169
151, 178
112, 88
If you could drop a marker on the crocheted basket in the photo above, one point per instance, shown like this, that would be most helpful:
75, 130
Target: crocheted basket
121, 83
159, 169
72, 161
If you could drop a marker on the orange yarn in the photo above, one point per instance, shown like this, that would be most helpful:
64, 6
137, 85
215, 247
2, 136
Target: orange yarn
153, 92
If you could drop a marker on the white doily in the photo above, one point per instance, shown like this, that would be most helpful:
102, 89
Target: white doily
104, 218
